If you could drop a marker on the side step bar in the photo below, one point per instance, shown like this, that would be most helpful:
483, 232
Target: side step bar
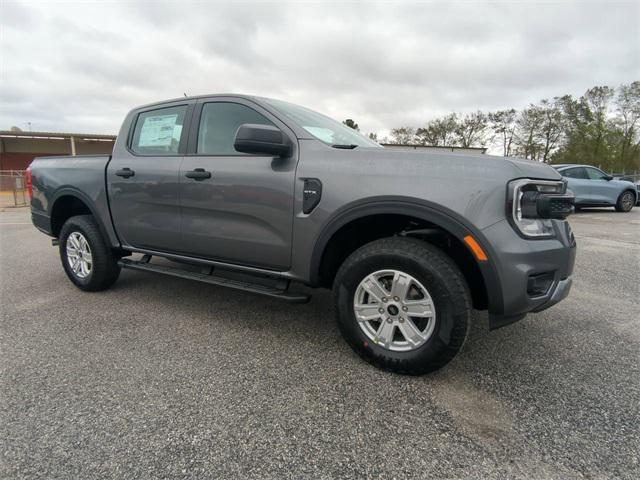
268, 290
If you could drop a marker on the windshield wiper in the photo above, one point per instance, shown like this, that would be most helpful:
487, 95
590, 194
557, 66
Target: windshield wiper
349, 146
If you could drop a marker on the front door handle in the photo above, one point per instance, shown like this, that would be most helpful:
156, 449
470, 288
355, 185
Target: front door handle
198, 174
125, 172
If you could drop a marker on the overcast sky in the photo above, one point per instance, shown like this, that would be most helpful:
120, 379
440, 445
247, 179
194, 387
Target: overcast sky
81, 66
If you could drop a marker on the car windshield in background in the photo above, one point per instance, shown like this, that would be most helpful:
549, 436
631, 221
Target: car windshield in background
322, 127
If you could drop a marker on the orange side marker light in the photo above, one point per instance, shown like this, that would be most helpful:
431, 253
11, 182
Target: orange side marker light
476, 248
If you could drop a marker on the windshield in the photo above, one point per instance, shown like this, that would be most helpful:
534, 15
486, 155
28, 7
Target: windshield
323, 128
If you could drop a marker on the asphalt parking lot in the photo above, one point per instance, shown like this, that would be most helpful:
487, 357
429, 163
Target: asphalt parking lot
162, 377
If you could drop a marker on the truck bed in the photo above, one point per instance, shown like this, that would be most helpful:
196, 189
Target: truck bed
80, 175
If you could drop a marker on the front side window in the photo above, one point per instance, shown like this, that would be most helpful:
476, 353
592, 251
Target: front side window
595, 174
220, 122
578, 172
158, 132
323, 128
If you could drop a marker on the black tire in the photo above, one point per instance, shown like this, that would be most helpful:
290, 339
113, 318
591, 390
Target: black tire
104, 266
626, 201
436, 272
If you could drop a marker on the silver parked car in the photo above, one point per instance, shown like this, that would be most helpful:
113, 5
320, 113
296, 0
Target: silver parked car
594, 188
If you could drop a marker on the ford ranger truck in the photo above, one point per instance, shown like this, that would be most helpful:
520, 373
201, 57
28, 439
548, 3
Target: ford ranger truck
262, 195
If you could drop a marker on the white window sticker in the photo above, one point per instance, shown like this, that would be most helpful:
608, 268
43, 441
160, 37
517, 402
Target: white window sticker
159, 131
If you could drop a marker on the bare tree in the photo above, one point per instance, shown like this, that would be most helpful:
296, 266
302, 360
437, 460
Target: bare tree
472, 129
439, 132
403, 135
503, 123
628, 102
528, 126
551, 128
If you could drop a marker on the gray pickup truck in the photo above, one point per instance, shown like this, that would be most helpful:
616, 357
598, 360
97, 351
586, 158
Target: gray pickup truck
260, 195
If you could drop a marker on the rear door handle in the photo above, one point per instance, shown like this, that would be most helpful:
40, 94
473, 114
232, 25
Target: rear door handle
198, 174
125, 172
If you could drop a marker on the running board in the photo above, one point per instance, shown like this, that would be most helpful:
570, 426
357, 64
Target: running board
268, 290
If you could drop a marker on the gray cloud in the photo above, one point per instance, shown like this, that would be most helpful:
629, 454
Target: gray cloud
82, 66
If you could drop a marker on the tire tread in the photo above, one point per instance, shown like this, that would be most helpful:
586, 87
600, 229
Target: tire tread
448, 272
105, 269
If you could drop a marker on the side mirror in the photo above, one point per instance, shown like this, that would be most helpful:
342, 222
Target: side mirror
608, 177
253, 138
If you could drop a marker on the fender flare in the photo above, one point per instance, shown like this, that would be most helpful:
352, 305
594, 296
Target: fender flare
443, 217
84, 198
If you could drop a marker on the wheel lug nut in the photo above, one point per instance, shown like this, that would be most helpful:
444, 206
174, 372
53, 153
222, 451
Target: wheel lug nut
381, 310
384, 299
389, 320
405, 309
397, 299
401, 320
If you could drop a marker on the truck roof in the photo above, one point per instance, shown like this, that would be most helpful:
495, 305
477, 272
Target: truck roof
196, 97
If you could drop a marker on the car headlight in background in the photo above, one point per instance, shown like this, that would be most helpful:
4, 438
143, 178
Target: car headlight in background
533, 204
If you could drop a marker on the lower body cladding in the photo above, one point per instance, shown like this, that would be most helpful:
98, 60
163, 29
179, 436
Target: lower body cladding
534, 274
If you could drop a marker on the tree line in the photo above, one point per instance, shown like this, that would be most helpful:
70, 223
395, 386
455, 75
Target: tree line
602, 128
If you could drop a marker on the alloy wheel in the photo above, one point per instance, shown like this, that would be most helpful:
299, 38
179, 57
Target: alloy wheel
79, 256
394, 310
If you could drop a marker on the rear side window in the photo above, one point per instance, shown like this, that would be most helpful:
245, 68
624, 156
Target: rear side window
158, 132
578, 172
219, 123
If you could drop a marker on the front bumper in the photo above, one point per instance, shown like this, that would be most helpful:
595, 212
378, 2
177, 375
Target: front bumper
518, 259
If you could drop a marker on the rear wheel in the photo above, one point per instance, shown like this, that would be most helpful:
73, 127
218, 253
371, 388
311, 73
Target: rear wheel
402, 305
625, 201
86, 258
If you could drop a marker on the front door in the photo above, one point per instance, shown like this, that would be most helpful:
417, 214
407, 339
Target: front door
602, 189
143, 181
236, 208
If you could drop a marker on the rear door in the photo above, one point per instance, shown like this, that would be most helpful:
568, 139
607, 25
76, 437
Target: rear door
579, 183
241, 212
143, 178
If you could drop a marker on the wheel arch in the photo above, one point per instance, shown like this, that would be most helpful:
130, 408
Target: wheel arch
632, 190
69, 202
435, 215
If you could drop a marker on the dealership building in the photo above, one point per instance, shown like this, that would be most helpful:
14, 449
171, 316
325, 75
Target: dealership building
18, 148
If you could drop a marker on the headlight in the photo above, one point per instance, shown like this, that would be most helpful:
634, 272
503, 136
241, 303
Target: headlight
532, 204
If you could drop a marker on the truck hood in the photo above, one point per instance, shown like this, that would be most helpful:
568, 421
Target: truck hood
479, 164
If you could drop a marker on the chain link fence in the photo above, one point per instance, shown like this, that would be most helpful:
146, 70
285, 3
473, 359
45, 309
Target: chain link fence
13, 188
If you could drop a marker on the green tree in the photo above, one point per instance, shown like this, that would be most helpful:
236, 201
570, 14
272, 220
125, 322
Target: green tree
592, 136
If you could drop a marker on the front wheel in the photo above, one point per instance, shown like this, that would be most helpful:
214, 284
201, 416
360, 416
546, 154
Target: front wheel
625, 201
86, 258
402, 305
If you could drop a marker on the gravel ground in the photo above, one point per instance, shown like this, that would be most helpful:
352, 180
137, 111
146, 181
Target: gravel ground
162, 377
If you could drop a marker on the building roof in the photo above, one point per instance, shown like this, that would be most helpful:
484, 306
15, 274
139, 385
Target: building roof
55, 135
